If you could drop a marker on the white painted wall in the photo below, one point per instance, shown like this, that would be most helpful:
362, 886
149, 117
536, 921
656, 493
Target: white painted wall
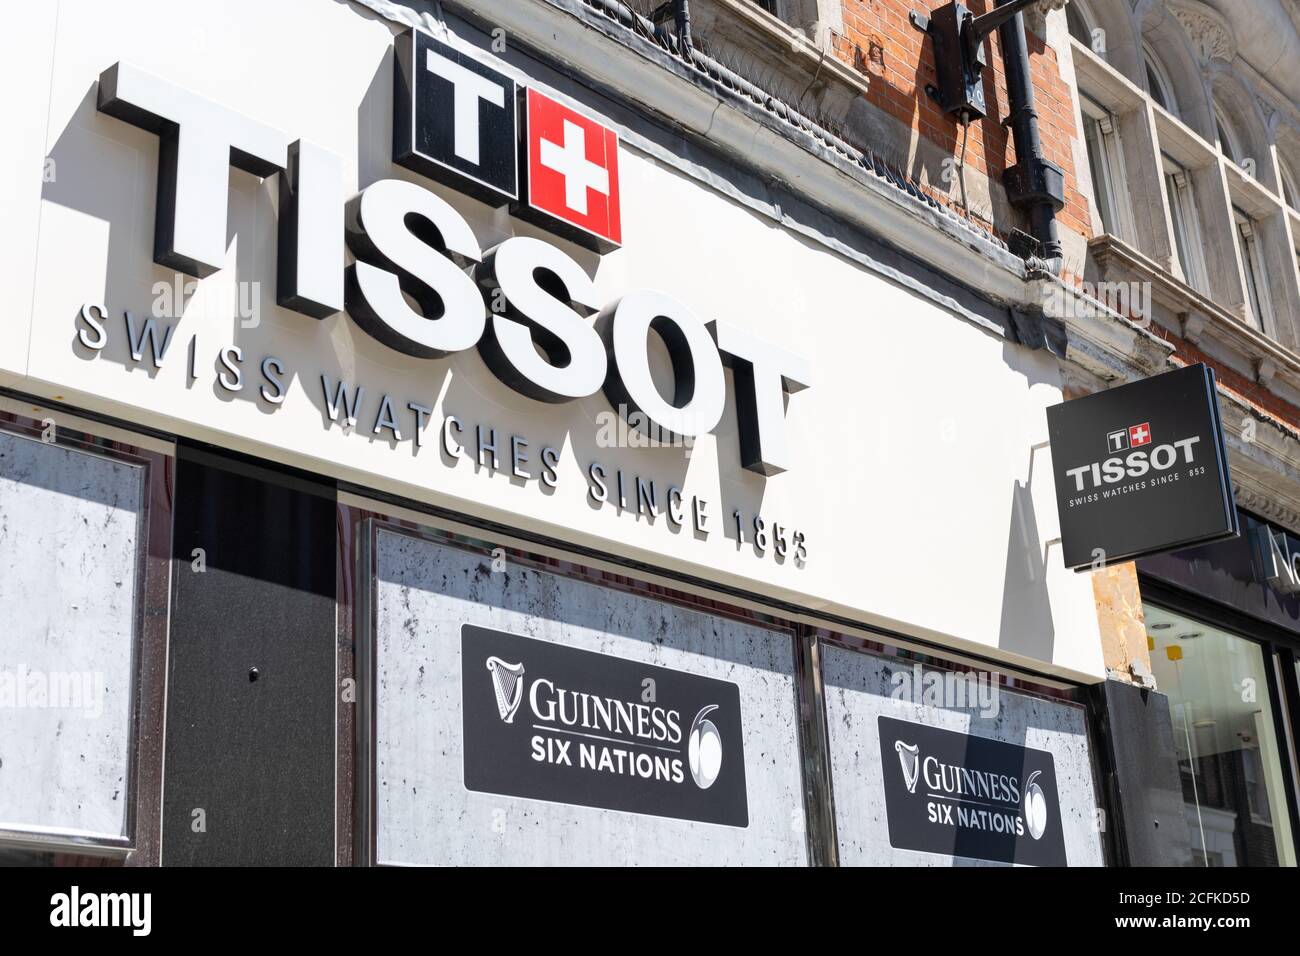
913, 445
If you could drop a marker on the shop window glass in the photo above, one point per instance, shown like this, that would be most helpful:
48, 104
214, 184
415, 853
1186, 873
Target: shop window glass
69, 569
1225, 741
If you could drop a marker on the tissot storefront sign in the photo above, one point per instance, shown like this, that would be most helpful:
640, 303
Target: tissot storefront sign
548, 722
1141, 469
967, 796
422, 283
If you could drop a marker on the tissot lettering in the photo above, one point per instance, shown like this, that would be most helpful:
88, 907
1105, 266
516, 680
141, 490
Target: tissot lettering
543, 290
392, 259
530, 308
308, 279
764, 375
549, 722
696, 405
1135, 464
198, 142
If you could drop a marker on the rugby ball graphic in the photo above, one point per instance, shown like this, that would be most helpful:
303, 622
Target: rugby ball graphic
704, 749
1035, 806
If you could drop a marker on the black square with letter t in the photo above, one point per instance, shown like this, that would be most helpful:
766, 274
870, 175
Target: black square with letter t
455, 118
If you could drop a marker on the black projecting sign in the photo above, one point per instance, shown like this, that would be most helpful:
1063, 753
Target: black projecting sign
549, 722
455, 118
967, 796
1141, 469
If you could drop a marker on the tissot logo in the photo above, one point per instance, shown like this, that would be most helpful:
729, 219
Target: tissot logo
1161, 482
1129, 437
576, 727
969, 796
424, 285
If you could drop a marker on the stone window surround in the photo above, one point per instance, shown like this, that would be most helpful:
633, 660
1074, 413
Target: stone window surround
1147, 133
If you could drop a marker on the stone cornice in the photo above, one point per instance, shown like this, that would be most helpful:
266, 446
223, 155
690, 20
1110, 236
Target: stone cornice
1264, 458
1257, 356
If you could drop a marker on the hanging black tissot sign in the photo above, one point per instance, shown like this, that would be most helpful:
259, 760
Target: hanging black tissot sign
962, 795
1141, 469
549, 722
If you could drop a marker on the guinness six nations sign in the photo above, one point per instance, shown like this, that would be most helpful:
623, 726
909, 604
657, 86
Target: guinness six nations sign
968, 796
548, 722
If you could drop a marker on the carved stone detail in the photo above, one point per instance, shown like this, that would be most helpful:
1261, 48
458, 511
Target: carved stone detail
1207, 30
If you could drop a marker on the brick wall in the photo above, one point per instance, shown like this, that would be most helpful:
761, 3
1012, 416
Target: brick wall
879, 41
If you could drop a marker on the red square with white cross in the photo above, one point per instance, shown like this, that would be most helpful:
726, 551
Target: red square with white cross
1139, 434
571, 164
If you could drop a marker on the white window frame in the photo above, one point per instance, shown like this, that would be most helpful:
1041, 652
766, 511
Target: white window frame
1185, 220
1259, 303
1112, 192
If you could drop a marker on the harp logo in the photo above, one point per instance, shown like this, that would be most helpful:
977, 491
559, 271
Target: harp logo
909, 757
508, 682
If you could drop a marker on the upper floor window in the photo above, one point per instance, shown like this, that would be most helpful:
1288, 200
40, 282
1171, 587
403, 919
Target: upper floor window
1080, 23
1158, 83
1229, 141
1252, 262
1290, 186
1106, 166
1186, 225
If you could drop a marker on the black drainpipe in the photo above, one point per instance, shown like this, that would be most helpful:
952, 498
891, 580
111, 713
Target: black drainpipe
1034, 185
682, 21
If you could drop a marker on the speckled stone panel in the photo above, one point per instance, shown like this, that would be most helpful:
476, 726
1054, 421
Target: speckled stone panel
424, 814
858, 690
69, 538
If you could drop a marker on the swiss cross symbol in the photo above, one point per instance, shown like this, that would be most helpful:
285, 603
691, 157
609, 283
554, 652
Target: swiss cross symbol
1139, 434
572, 169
